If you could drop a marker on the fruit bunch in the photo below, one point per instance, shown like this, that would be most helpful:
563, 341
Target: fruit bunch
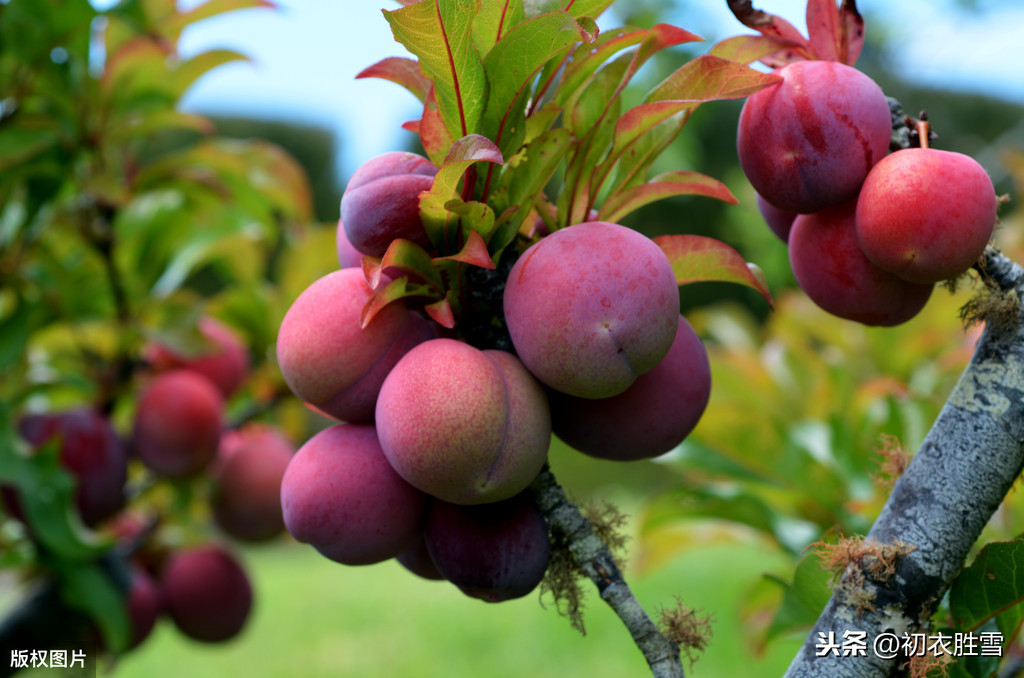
477, 310
869, 233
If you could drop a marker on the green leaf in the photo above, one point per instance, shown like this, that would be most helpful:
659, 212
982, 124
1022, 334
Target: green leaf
696, 258
511, 66
494, 20
399, 288
89, 588
400, 70
578, 8
15, 328
528, 172
663, 186
711, 78
407, 257
463, 154
19, 145
475, 217
173, 26
439, 33
990, 586
746, 49
804, 599
187, 72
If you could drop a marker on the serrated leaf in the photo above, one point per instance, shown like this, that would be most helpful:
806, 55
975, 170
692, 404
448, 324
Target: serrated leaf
663, 186
439, 33
990, 586
401, 70
696, 258
746, 49
511, 66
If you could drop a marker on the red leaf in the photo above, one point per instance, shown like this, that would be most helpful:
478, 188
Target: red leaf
746, 49
769, 24
474, 252
433, 134
663, 186
697, 258
393, 291
823, 29
405, 72
413, 126
852, 24
441, 312
473, 147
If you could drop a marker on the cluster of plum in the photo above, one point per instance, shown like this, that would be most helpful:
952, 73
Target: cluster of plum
440, 438
869, 232
179, 434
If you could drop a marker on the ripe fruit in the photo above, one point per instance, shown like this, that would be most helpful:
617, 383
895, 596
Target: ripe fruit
382, 201
779, 221
328, 360
340, 495
926, 215
494, 552
144, 604
226, 363
809, 141
246, 498
206, 593
590, 307
91, 450
650, 417
833, 271
348, 256
417, 560
178, 423
465, 425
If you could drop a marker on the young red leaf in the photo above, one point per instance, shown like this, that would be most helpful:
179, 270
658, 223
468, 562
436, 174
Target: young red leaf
413, 126
408, 257
473, 252
400, 70
663, 186
824, 29
434, 136
441, 311
697, 258
399, 288
769, 24
711, 78
852, 25
439, 32
746, 49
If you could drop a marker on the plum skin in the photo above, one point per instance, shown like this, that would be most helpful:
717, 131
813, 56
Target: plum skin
649, 418
494, 552
178, 423
381, 201
809, 141
246, 499
323, 324
925, 214
206, 592
465, 425
833, 271
340, 495
590, 307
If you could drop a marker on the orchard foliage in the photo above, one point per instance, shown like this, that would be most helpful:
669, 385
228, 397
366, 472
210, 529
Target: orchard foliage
137, 305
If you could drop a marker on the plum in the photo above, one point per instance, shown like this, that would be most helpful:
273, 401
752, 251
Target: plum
144, 604
226, 364
809, 141
178, 423
348, 256
650, 417
779, 221
831, 268
246, 499
206, 592
494, 552
926, 215
417, 560
340, 495
465, 425
91, 450
331, 362
382, 201
590, 307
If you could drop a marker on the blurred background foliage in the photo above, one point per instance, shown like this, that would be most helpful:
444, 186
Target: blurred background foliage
788, 453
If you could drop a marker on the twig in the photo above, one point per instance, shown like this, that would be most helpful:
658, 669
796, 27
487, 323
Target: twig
596, 561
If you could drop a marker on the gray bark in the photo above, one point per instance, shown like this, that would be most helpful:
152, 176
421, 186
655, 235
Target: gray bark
966, 465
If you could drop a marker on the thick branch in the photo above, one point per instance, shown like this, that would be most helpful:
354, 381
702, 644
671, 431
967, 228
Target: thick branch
966, 465
596, 560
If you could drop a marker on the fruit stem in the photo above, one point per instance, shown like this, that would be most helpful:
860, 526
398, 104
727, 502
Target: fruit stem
924, 129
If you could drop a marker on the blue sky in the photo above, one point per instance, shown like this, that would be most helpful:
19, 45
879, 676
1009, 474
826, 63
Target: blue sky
305, 56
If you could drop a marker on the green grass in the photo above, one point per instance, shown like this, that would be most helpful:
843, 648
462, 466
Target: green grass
314, 618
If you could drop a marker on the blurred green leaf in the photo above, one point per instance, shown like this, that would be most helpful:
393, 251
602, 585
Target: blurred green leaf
803, 599
696, 258
993, 585
88, 587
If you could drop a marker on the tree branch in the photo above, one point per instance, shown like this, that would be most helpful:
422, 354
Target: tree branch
966, 465
596, 561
